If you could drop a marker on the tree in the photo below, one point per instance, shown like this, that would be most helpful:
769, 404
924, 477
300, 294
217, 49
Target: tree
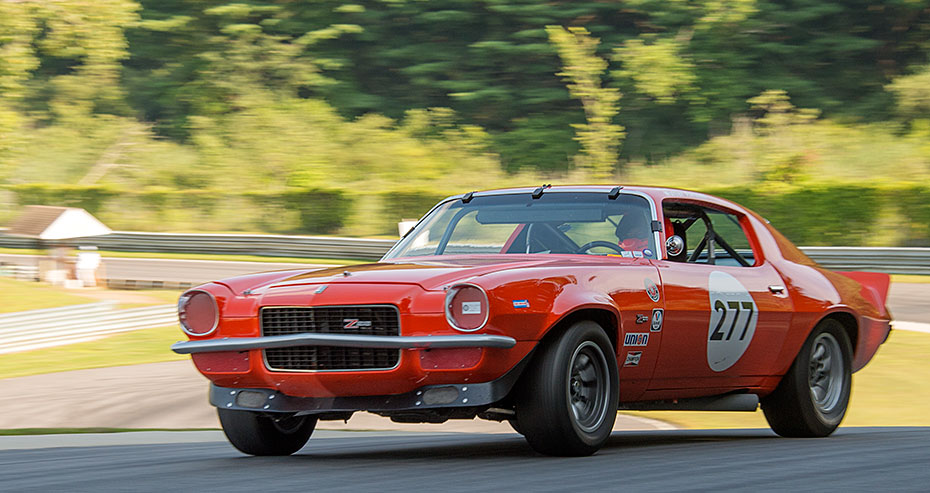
600, 137
781, 153
17, 61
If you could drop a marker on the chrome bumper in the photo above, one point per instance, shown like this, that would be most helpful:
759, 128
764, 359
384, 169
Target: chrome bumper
344, 340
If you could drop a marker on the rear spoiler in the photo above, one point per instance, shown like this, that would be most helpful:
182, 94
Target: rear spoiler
874, 287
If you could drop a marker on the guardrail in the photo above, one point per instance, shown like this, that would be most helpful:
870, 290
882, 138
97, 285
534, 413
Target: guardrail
234, 244
890, 260
875, 259
36, 329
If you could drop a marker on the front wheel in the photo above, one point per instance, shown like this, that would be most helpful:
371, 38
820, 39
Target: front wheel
567, 401
812, 397
261, 434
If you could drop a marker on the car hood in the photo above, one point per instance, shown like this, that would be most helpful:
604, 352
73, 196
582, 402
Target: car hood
430, 274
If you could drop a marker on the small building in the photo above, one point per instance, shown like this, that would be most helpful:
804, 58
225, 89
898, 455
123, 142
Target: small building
51, 227
47, 223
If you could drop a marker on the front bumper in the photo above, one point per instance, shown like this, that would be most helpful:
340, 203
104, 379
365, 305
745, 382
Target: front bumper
344, 340
464, 395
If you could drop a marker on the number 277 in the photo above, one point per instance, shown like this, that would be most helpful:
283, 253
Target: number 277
717, 334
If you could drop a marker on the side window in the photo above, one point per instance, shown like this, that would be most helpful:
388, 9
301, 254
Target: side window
711, 236
729, 233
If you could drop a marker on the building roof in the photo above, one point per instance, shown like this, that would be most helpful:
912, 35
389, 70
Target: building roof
56, 223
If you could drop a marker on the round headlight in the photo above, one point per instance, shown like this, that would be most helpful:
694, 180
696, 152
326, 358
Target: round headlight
466, 307
198, 313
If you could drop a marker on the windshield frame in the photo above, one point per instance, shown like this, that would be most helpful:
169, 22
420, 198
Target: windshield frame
392, 254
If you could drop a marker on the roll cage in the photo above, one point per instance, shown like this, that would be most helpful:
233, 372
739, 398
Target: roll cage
706, 249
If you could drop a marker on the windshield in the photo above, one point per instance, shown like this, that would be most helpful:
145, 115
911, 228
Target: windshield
556, 223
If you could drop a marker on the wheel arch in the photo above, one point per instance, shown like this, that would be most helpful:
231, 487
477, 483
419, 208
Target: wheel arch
849, 323
606, 317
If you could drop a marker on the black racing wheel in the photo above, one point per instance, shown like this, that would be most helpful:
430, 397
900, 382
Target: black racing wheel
263, 434
812, 397
567, 401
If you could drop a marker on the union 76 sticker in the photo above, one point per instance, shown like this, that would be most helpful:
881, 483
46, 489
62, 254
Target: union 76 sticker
733, 319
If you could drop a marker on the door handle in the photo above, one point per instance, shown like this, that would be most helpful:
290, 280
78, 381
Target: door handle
776, 289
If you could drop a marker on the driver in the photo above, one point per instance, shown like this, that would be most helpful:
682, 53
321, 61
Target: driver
633, 232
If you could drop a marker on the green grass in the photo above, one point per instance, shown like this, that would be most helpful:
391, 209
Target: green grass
891, 390
202, 256
131, 348
910, 278
17, 296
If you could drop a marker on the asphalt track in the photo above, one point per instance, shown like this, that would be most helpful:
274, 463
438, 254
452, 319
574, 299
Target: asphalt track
853, 459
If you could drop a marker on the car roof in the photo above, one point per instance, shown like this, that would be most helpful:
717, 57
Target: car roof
656, 193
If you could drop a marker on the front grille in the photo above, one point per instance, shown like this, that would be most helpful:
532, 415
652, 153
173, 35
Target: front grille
384, 321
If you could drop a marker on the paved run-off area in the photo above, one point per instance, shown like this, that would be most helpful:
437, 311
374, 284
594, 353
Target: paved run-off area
172, 395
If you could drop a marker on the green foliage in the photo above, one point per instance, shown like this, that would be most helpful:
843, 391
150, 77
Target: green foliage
913, 203
582, 68
817, 214
91, 198
405, 205
321, 211
212, 115
913, 94
657, 67
782, 156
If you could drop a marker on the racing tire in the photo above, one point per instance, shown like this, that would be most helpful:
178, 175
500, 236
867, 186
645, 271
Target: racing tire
260, 434
812, 398
567, 402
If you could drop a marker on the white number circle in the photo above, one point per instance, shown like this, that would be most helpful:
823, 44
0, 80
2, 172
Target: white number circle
733, 317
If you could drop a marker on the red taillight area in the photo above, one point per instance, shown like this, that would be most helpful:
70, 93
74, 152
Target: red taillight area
466, 307
197, 313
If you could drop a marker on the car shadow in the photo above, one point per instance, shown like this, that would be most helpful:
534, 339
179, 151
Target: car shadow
495, 446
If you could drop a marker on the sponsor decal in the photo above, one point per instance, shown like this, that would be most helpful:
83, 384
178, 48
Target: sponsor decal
733, 318
521, 304
658, 315
651, 289
648, 253
637, 254
641, 319
320, 289
354, 323
471, 308
632, 358
626, 254
636, 339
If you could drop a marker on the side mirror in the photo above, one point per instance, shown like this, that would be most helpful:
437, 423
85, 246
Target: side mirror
674, 245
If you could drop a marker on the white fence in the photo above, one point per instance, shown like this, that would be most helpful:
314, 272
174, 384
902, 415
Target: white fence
35, 329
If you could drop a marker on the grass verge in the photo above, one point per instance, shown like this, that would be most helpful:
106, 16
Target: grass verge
17, 296
891, 390
910, 278
131, 348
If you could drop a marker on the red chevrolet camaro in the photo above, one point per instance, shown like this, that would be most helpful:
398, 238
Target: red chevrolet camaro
550, 308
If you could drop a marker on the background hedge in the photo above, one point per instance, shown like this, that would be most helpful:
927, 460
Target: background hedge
811, 214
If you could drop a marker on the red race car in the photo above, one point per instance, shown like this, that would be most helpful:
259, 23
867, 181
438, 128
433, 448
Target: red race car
550, 308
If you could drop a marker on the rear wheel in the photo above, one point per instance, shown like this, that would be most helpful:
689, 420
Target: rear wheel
567, 400
812, 397
260, 434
